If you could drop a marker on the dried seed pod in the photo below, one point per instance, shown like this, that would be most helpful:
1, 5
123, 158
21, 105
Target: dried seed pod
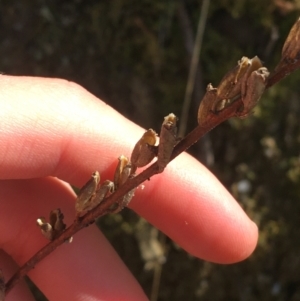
234, 85
235, 80
256, 85
55, 226
123, 202
122, 172
144, 150
207, 104
46, 228
84, 201
291, 47
56, 220
167, 140
127, 198
106, 188
230, 85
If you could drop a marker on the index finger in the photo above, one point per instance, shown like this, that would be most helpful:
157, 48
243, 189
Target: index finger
54, 127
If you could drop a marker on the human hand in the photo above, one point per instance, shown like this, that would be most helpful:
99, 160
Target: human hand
54, 131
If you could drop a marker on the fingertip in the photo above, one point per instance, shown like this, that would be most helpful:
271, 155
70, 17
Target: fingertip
250, 243
240, 244
190, 205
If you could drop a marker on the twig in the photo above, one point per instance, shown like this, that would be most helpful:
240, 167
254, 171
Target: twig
282, 71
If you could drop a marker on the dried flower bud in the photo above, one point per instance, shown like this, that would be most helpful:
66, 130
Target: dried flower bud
122, 202
122, 171
84, 201
127, 198
144, 152
56, 220
106, 188
256, 85
234, 85
45, 227
234, 81
291, 47
207, 104
55, 226
230, 85
167, 140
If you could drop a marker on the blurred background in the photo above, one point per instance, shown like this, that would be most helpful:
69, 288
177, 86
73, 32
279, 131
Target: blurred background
136, 56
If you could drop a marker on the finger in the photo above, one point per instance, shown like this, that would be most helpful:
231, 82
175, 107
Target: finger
86, 269
197, 212
55, 127
78, 134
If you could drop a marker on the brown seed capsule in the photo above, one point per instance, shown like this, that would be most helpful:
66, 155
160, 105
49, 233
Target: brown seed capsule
143, 152
122, 171
123, 202
207, 104
127, 198
106, 189
46, 228
234, 85
291, 47
56, 221
230, 85
55, 226
167, 140
233, 82
256, 85
84, 201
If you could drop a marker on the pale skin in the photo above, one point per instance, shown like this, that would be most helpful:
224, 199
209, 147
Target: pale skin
53, 131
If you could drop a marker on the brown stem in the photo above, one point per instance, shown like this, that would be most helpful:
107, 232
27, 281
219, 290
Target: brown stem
283, 69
